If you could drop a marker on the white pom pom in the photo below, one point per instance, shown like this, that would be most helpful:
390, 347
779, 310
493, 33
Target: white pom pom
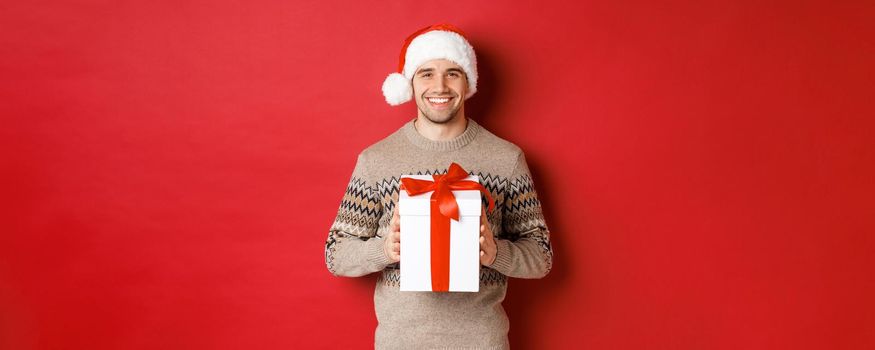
397, 89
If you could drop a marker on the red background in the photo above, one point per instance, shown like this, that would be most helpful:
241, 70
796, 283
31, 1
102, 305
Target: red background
170, 169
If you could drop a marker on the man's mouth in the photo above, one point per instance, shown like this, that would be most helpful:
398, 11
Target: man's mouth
439, 101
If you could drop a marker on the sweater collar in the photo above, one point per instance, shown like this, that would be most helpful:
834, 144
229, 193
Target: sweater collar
471, 131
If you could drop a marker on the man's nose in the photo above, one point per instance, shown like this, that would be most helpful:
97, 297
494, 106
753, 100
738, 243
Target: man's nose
440, 84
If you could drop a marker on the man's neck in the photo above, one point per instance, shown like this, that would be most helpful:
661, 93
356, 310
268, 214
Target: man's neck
440, 132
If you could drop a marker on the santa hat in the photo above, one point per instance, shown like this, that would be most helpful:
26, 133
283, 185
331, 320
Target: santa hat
440, 41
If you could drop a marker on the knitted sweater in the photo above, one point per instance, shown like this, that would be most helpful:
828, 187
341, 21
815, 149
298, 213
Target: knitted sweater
442, 320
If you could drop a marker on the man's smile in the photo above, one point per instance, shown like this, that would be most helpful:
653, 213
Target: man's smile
439, 102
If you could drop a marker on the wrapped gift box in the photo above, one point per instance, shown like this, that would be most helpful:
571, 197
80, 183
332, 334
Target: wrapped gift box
424, 252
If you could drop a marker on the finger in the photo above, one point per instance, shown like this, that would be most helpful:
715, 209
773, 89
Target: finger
486, 232
396, 218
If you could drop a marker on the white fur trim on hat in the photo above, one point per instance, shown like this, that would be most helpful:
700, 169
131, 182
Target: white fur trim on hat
432, 45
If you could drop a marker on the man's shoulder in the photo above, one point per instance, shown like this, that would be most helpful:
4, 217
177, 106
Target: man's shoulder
384, 146
498, 145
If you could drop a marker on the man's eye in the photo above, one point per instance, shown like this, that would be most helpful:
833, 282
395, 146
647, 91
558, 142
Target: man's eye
426, 75
454, 75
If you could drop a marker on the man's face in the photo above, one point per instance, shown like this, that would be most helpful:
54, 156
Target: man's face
439, 88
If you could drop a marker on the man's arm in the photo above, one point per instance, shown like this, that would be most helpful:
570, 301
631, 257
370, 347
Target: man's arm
530, 254
353, 248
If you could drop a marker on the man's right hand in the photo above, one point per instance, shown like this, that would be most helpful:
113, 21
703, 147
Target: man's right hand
392, 245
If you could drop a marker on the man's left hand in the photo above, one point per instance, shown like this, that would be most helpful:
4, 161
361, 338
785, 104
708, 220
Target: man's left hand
487, 241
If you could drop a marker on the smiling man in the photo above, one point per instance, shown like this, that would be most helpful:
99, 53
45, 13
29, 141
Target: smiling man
438, 70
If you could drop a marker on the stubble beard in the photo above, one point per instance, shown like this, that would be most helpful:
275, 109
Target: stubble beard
438, 118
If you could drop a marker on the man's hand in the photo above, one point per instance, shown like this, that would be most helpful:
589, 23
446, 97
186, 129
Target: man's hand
487, 241
392, 245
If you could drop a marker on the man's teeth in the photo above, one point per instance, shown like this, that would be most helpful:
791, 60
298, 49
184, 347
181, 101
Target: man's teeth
438, 100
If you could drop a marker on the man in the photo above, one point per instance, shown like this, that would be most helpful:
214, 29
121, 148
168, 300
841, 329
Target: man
438, 70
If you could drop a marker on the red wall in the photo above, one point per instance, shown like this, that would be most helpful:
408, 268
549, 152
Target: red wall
170, 169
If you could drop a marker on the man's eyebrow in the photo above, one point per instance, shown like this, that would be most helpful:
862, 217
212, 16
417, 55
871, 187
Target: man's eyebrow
457, 70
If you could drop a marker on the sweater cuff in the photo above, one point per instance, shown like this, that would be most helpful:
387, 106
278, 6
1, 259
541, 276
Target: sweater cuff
375, 254
503, 260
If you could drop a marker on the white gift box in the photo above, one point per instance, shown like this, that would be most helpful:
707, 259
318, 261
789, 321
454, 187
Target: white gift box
416, 262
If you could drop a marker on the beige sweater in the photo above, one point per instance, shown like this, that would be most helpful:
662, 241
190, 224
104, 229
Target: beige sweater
435, 320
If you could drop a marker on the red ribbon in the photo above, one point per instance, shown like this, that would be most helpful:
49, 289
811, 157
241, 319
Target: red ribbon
443, 208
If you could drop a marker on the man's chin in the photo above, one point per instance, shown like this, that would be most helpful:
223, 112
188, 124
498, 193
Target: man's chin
440, 119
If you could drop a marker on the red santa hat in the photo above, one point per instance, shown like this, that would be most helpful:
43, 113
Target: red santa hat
440, 41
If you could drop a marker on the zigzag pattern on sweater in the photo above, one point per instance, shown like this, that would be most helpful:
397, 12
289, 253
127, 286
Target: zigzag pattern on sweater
359, 210
523, 212
359, 198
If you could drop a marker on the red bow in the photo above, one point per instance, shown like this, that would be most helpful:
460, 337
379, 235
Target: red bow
443, 186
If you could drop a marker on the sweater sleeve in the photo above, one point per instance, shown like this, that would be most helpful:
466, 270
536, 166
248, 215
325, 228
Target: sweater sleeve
353, 248
528, 252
